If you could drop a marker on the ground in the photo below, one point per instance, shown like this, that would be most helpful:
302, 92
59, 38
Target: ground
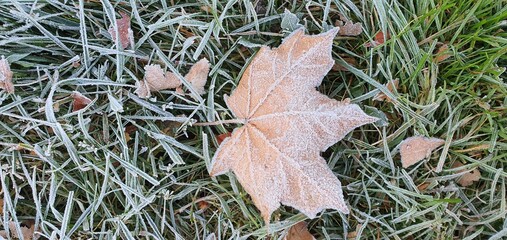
126, 167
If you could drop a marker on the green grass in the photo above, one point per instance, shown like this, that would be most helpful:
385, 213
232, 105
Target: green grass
76, 175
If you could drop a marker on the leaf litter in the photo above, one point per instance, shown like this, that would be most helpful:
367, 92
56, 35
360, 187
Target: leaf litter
6, 76
299, 231
156, 79
415, 149
469, 177
348, 28
392, 86
79, 101
275, 155
124, 31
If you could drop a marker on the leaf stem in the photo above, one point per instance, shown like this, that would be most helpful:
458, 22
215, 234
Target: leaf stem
239, 121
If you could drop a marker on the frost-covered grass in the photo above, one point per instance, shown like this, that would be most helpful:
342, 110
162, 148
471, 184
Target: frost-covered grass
142, 172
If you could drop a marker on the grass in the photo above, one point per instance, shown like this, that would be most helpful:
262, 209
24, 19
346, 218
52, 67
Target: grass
78, 174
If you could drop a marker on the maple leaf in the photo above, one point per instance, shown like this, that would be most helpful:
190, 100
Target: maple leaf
124, 30
6, 76
415, 149
287, 123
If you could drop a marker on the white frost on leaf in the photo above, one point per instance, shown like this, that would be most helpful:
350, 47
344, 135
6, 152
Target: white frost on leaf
198, 75
415, 149
6, 76
276, 154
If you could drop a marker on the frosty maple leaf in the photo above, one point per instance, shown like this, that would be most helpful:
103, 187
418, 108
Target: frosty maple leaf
287, 123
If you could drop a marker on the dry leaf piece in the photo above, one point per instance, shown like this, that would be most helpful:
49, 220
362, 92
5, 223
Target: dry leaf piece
27, 232
442, 53
80, 101
124, 30
379, 39
288, 123
347, 27
198, 75
415, 149
299, 231
391, 86
6, 76
468, 178
155, 79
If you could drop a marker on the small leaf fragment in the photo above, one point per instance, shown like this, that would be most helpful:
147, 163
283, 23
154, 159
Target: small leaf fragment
415, 149
198, 75
391, 86
79, 101
27, 232
379, 39
155, 79
468, 178
347, 27
6, 76
442, 53
299, 231
124, 30
222, 137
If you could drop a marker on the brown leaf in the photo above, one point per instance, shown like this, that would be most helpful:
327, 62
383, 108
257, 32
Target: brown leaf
442, 53
6, 76
1, 206
80, 101
350, 60
379, 39
391, 86
353, 234
347, 27
415, 149
468, 178
27, 232
288, 123
299, 231
124, 30
198, 75
155, 79
222, 137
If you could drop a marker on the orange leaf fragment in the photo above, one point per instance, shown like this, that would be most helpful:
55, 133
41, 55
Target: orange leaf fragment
80, 101
348, 28
155, 79
442, 53
415, 149
379, 39
299, 231
222, 137
468, 178
287, 124
6, 76
124, 30
391, 86
27, 232
198, 75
